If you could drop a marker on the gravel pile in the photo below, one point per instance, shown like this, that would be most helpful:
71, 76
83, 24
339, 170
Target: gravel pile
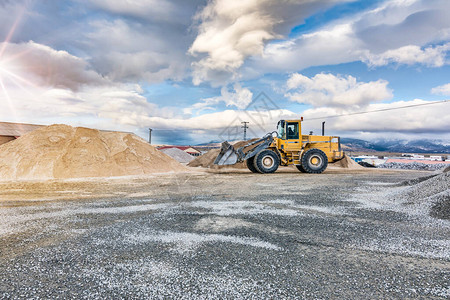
432, 194
413, 166
178, 155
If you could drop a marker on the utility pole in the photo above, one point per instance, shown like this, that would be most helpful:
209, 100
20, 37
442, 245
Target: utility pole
245, 129
150, 135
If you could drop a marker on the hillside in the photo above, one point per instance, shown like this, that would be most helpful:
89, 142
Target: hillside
400, 146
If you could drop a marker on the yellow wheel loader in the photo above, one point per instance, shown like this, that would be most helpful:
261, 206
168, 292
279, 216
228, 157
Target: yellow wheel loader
286, 146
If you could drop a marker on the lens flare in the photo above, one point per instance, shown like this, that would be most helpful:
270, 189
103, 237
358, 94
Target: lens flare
7, 75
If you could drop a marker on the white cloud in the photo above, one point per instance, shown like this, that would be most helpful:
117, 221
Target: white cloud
335, 91
324, 47
108, 107
238, 96
232, 30
409, 55
425, 121
441, 90
45, 66
39, 83
422, 119
221, 120
393, 32
78, 98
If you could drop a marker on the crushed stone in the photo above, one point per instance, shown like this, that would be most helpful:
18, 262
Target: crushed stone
413, 166
424, 197
178, 154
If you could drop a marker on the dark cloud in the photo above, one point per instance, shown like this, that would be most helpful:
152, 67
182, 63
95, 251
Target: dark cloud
126, 41
417, 29
141, 41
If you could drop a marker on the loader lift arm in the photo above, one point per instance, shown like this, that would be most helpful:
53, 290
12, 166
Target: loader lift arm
230, 156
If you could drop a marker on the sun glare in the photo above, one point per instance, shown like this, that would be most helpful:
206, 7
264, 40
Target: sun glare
5, 72
3, 68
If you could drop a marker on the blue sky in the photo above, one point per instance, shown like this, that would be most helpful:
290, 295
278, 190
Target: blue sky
191, 70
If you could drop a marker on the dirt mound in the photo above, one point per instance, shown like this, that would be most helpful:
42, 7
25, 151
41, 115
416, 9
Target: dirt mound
178, 154
207, 160
346, 163
61, 151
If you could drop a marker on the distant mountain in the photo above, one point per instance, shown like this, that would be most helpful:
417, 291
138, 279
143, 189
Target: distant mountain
400, 146
360, 145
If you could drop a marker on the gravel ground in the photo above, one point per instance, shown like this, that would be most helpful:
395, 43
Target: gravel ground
228, 234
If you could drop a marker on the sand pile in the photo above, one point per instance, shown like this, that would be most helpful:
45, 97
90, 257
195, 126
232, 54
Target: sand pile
346, 163
207, 160
178, 154
61, 151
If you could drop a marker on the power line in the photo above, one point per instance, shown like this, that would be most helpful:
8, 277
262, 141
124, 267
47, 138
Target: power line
376, 110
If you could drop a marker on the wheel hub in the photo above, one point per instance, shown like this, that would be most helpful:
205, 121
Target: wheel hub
316, 161
268, 161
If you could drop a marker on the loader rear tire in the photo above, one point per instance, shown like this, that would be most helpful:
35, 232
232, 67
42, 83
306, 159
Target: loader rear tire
250, 164
314, 161
266, 161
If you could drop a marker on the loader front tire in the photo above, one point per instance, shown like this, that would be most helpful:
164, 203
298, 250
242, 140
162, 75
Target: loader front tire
250, 164
314, 161
266, 161
300, 168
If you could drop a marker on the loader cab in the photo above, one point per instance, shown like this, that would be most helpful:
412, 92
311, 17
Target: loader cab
288, 130
289, 135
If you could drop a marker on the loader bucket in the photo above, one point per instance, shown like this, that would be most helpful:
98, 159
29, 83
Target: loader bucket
227, 155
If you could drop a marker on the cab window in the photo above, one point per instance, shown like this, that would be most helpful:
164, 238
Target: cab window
292, 131
280, 130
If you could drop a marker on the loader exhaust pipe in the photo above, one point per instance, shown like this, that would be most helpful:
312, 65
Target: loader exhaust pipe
323, 128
